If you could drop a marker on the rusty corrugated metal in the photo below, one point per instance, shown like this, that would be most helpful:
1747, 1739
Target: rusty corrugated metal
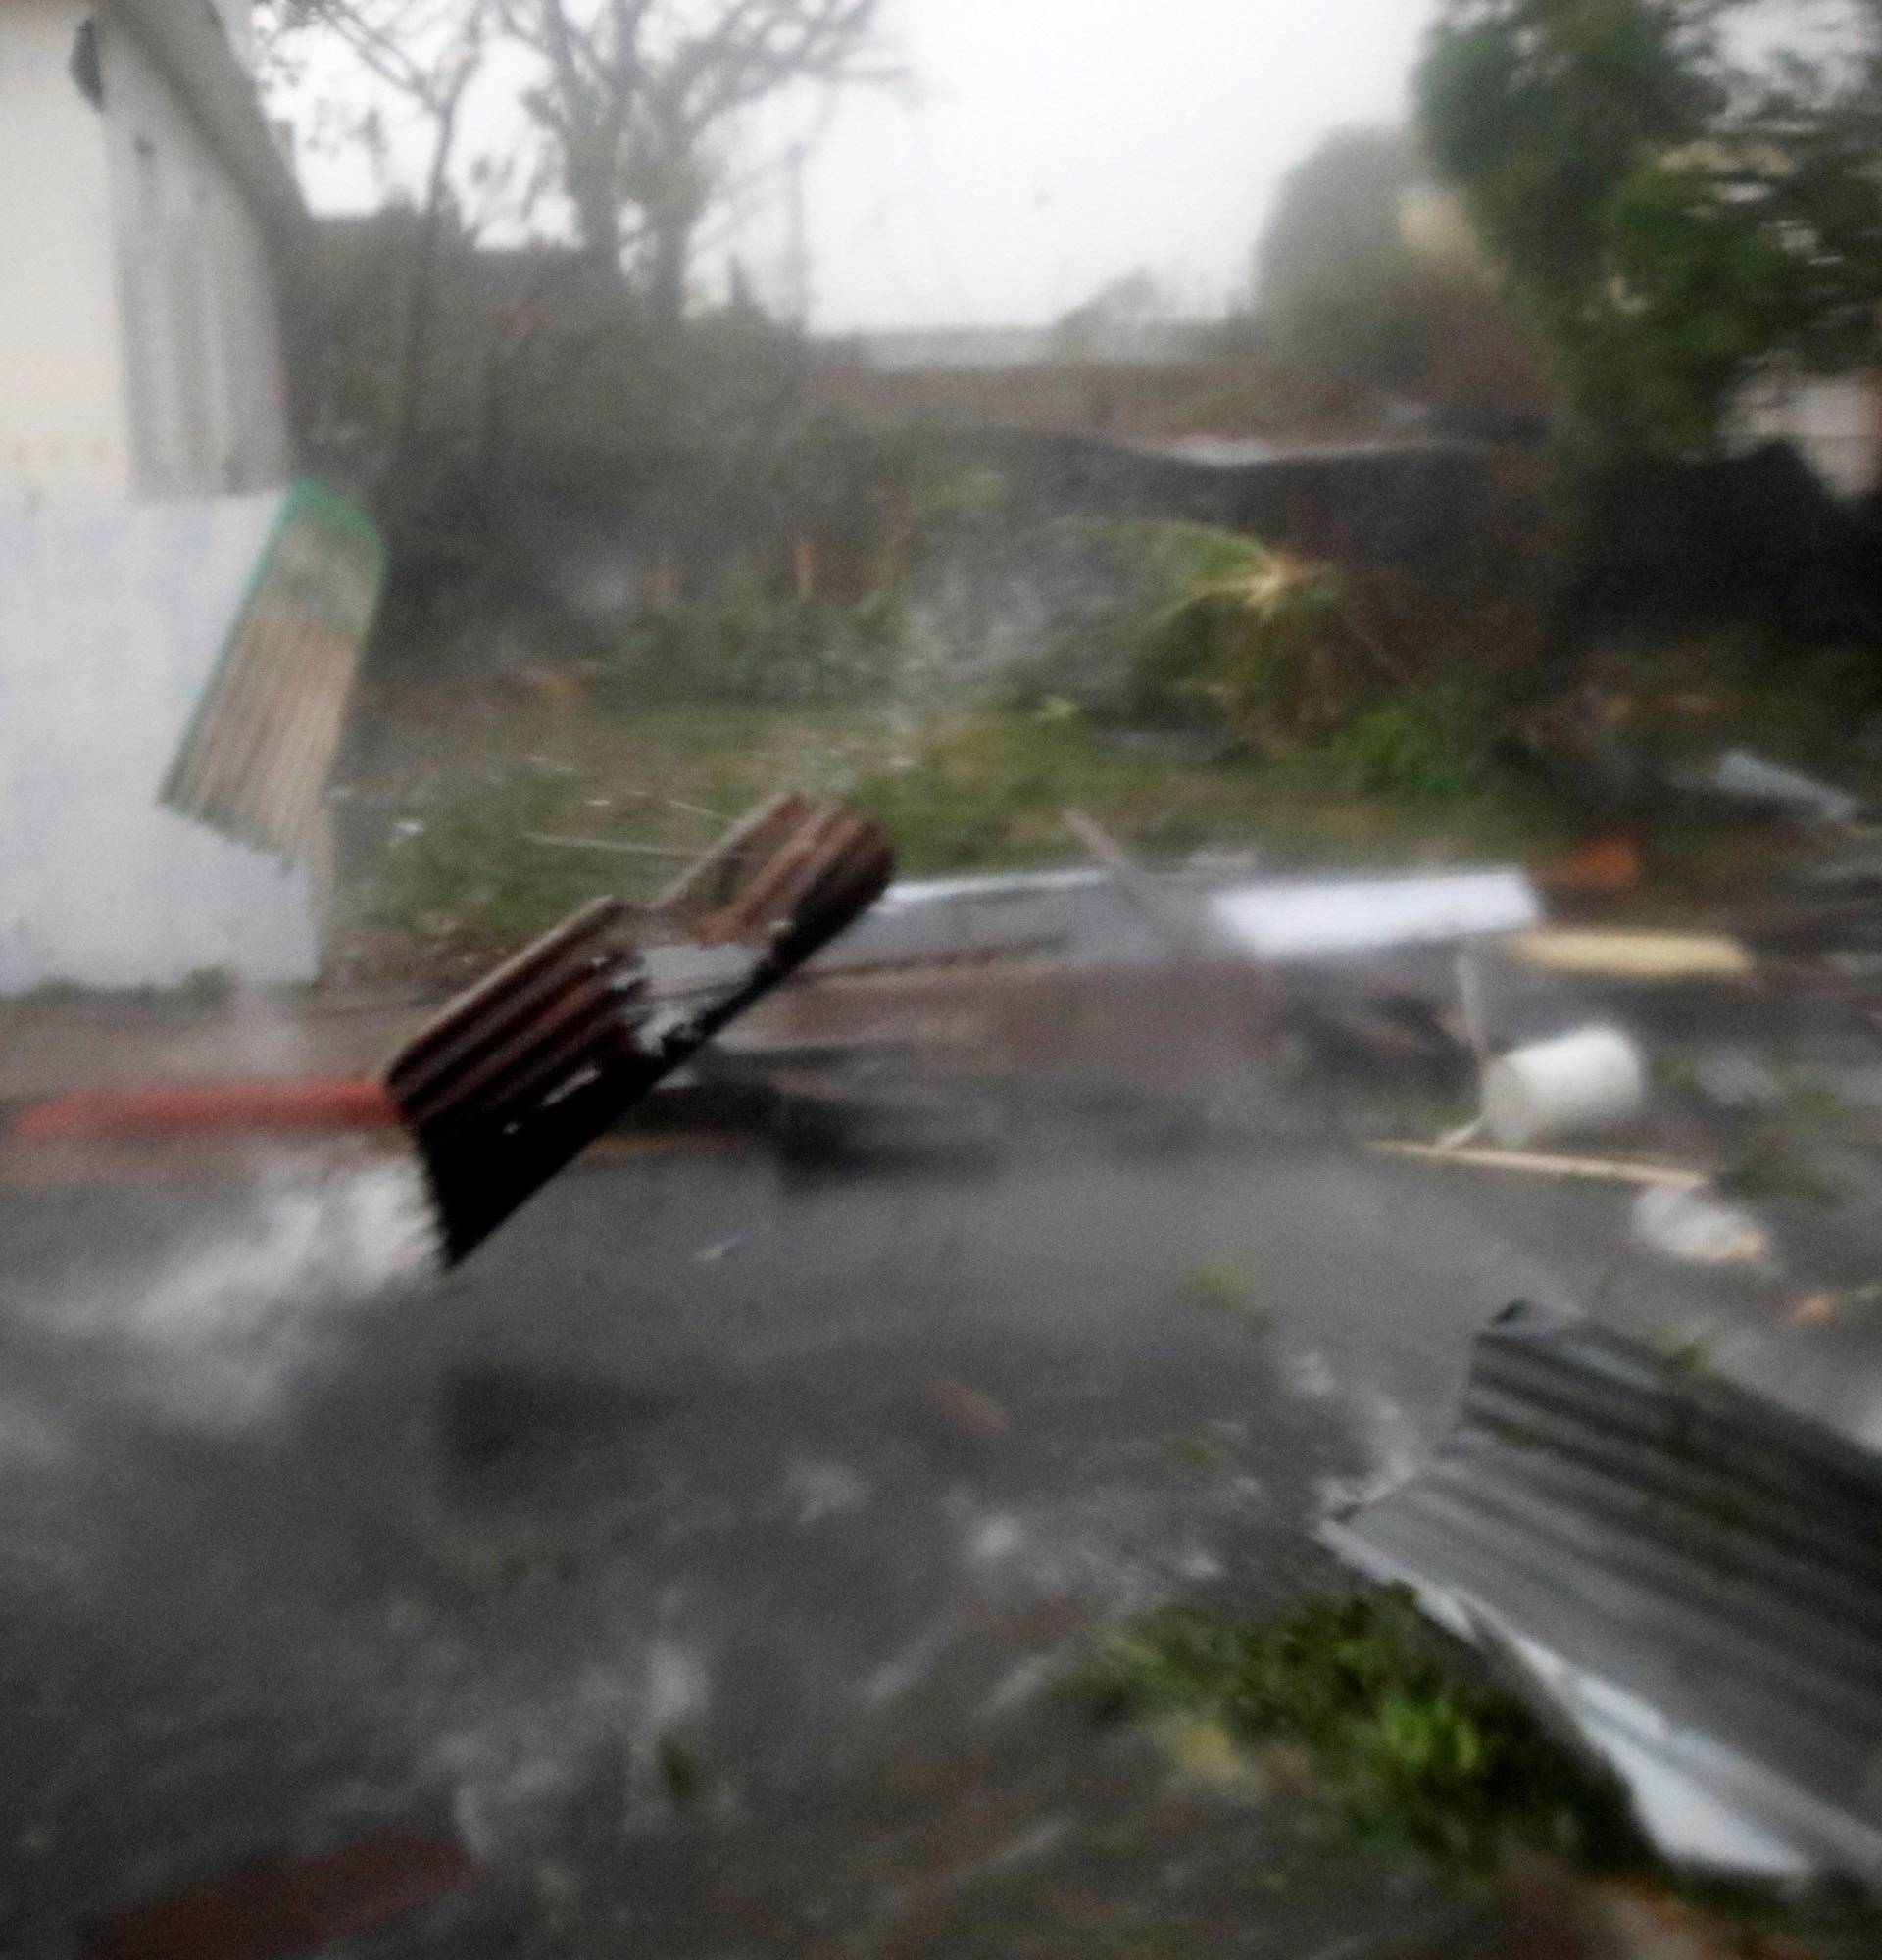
255, 759
516, 1078
1669, 1544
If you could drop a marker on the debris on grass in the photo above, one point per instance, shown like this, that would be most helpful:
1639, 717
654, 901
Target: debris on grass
1589, 1080
1225, 1288
1200, 1449
1543, 1163
1816, 1105
1644, 956
1405, 1741
1693, 1229
1690, 1351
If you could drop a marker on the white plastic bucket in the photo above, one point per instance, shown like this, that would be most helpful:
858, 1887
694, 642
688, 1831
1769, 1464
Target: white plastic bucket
1589, 1080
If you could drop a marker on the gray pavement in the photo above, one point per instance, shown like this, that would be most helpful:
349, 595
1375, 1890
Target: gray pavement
807, 1483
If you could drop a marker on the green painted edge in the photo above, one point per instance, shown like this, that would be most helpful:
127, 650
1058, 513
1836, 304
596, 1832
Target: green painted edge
304, 497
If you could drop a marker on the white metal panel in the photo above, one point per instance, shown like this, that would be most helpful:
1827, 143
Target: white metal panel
1311, 920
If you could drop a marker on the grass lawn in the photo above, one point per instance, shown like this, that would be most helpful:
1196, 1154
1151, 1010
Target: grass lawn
449, 806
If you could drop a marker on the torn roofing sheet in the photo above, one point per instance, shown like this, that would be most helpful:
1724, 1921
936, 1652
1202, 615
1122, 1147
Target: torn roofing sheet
1690, 1573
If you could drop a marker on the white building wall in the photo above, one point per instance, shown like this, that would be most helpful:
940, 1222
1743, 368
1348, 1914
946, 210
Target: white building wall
238, 23
64, 411
201, 333
112, 617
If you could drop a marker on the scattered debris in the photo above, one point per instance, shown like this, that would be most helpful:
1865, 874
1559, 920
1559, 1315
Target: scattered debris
1697, 1230
1633, 956
1687, 1573
1607, 866
1308, 922
1737, 1081
609, 846
1593, 1079
1396, 1035
1538, 1163
1746, 779
1179, 922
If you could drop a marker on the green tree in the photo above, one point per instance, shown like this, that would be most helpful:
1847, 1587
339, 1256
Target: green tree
1671, 218
1349, 291
1336, 222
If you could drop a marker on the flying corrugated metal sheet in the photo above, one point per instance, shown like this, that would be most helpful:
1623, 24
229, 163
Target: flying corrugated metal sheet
516, 1078
255, 759
1692, 1566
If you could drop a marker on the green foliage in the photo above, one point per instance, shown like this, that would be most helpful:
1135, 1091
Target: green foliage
1422, 747
1200, 1449
1670, 221
1349, 297
465, 871
749, 647
1224, 630
461, 868
1226, 1287
1407, 1743
989, 790
1774, 1172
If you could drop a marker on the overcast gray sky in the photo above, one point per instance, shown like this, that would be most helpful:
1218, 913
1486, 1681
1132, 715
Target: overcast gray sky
1046, 146
1057, 143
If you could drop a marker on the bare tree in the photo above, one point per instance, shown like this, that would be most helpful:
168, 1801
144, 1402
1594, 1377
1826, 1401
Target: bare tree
635, 97
427, 54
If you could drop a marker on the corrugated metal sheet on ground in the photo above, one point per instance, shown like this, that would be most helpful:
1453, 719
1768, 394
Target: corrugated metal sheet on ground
255, 759
1080, 919
1087, 918
1677, 1539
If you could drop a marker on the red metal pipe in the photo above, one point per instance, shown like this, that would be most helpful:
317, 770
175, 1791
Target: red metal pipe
318, 1107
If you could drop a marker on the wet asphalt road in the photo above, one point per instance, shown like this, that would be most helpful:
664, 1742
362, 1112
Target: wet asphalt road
786, 1495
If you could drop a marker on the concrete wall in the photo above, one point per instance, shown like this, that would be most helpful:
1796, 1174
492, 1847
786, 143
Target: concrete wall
112, 616
199, 303
63, 414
